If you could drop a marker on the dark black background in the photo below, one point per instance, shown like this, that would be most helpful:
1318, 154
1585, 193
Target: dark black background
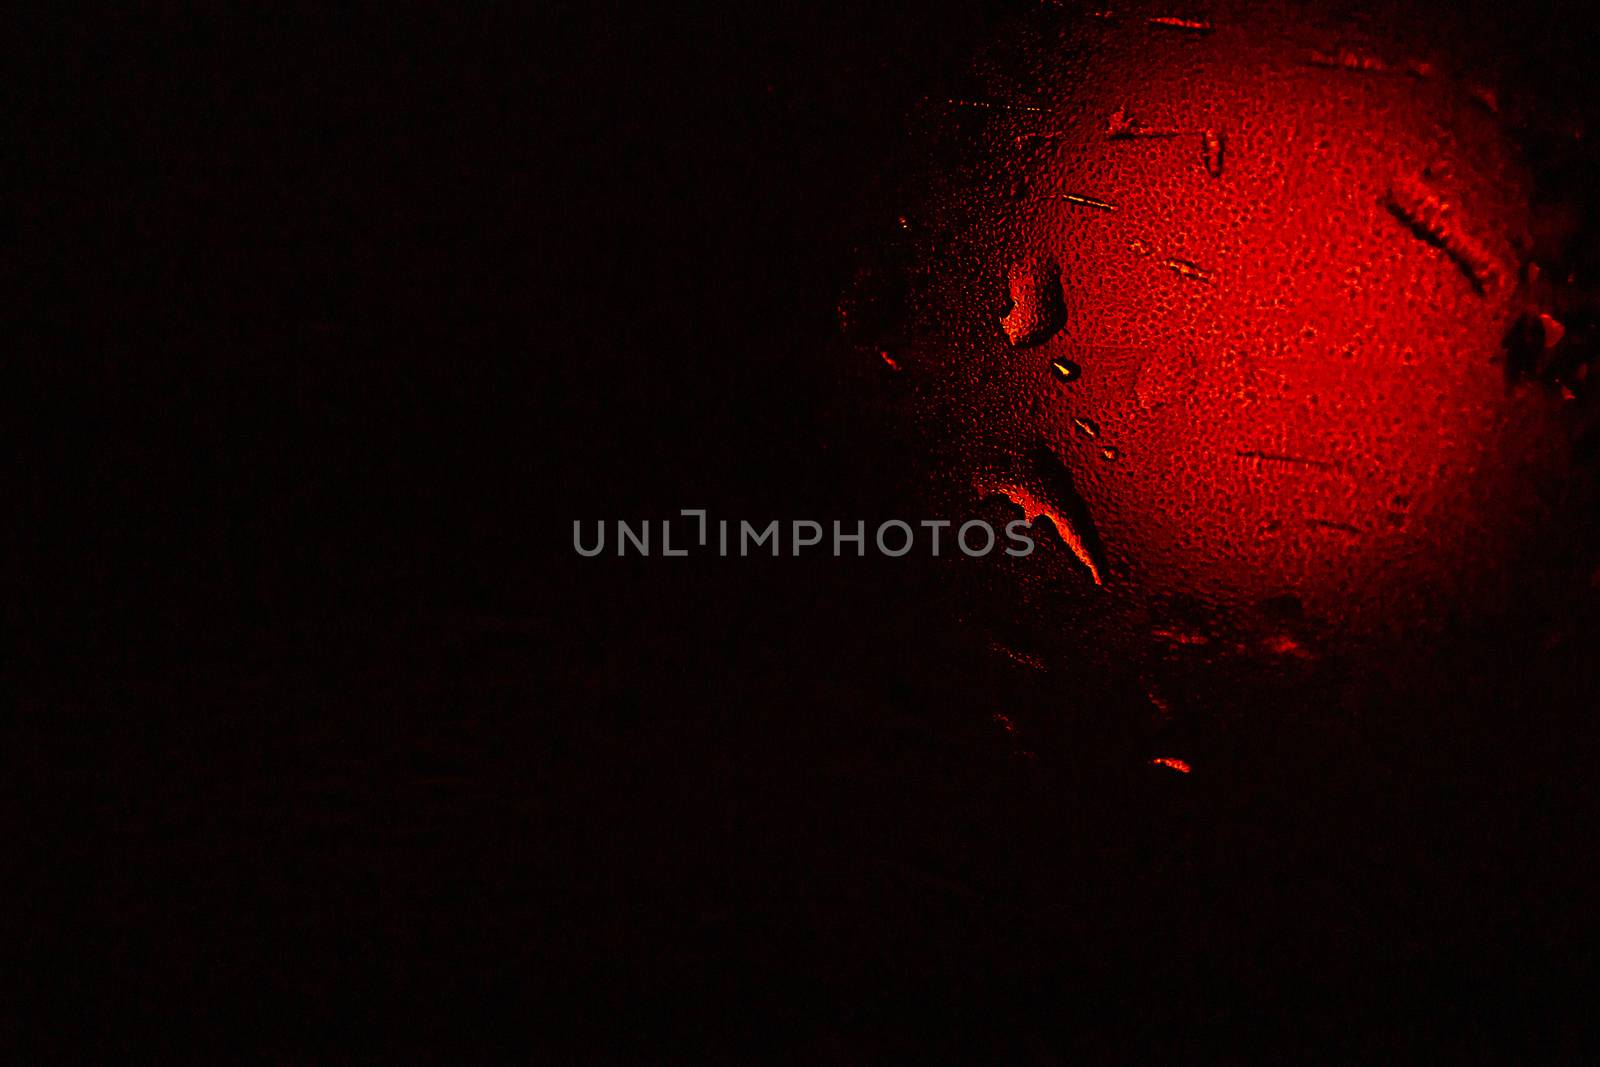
329, 749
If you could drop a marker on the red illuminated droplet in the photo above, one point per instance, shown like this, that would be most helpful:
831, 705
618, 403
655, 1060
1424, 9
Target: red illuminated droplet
1037, 307
1077, 539
1065, 370
1173, 23
1553, 330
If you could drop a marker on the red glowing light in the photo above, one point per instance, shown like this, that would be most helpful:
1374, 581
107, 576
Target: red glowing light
1178, 765
1275, 273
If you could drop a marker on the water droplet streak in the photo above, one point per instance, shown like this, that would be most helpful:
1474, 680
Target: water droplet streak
1088, 201
1338, 527
1433, 219
1185, 269
1052, 495
1360, 62
1121, 127
1211, 152
1274, 457
1023, 658
1171, 22
1162, 22
1033, 508
988, 105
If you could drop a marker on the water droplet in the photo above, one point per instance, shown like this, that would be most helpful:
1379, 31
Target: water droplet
1211, 142
1553, 330
1037, 306
1047, 491
1087, 427
1065, 370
